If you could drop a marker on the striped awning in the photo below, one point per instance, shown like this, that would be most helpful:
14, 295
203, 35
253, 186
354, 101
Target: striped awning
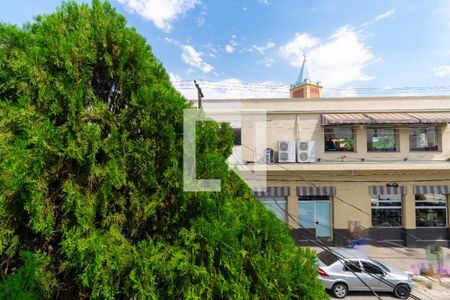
431, 189
316, 191
432, 118
386, 118
385, 190
392, 118
273, 191
344, 119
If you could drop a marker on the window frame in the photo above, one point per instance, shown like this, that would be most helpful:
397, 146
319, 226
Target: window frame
371, 264
237, 140
438, 138
325, 135
352, 264
274, 200
396, 134
440, 207
396, 207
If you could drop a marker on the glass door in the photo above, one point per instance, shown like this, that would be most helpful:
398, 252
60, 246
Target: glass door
315, 214
323, 219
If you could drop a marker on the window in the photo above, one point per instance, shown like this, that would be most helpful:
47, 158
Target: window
387, 210
277, 205
371, 268
327, 258
352, 266
339, 139
424, 138
382, 139
237, 136
431, 210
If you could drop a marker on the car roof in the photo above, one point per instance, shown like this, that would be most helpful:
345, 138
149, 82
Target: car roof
349, 253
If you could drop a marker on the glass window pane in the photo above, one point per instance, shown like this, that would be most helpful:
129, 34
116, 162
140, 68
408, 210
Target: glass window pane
387, 210
431, 217
431, 200
371, 268
386, 200
306, 214
431, 210
323, 227
387, 217
424, 138
352, 266
381, 139
339, 139
277, 205
237, 136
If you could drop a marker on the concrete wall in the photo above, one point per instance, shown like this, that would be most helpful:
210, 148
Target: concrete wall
352, 200
308, 127
300, 119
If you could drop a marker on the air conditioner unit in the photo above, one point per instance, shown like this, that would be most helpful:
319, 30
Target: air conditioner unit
354, 225
268, 156
286, 151
306, 151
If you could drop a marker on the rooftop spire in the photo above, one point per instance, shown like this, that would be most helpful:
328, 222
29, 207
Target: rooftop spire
304, 76
304, 87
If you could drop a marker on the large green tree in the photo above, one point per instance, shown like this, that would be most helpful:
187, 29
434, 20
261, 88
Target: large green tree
91, 197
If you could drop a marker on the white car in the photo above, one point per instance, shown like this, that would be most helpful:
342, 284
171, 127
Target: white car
337, 272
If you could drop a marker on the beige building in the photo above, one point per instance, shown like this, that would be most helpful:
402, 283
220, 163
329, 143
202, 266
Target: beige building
342, 168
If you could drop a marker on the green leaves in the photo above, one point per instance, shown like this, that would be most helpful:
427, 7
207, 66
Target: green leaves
91, 199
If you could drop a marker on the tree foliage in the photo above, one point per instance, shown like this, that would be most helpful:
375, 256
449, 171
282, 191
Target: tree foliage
91, 202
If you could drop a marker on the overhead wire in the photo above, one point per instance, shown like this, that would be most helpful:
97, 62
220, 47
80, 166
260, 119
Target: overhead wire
320, 244
334, 196
240, 86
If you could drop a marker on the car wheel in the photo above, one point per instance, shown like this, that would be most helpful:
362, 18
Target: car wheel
339, 290
402, 291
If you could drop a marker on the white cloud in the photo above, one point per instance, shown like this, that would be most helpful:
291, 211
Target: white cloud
441, 71
161, 12
270, 45
266, 62
231, 46
231, 88
266, 2
336, 61
229, 49
194, 58
380, 17
387, 14
260, 49
300, 43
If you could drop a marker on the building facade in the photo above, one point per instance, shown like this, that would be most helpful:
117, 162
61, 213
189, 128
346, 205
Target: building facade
340, 169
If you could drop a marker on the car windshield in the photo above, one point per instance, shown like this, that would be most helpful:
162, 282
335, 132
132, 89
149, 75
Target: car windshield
381, 265
327, 257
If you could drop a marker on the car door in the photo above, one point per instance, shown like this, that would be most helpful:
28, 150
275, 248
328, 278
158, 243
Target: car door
374, 275
351, 271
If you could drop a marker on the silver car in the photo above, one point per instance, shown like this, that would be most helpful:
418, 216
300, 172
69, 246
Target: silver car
338, 275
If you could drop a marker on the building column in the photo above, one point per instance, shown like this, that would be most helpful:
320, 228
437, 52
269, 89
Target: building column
448, 216
409, 214
403, 141
292, 208
361, 140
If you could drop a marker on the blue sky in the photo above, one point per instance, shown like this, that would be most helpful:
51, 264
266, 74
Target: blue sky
254, 48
